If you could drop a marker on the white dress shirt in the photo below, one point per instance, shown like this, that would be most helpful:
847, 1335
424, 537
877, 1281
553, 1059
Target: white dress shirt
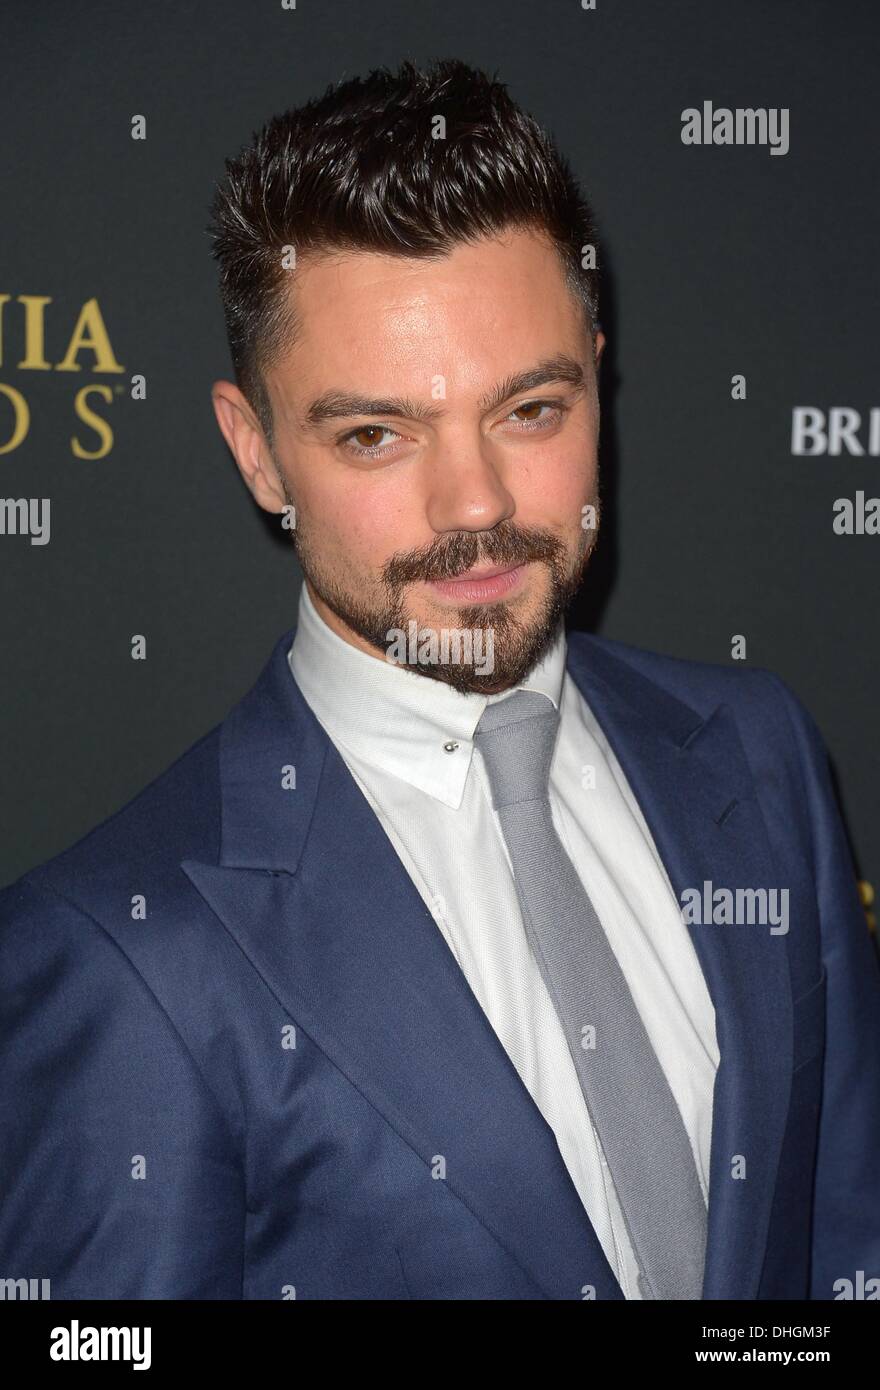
392, 726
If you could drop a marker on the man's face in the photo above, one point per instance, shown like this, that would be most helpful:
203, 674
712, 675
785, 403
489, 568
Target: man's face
445, 463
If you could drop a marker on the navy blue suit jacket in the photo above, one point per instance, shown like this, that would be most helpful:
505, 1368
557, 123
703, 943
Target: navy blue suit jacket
245, 1093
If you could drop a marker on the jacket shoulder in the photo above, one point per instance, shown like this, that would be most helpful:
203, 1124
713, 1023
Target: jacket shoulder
703, 684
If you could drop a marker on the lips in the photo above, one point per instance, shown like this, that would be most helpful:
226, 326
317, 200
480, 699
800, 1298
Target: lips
481, 585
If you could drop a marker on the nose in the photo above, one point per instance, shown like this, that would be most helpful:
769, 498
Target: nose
465, 489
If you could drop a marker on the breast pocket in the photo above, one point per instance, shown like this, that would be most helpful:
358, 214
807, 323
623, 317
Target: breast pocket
808, 1019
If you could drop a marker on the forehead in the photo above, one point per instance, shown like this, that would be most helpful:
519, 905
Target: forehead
481, 310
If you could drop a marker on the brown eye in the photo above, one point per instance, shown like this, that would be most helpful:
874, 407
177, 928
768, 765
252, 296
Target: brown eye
367, 441
376, 430
529, 406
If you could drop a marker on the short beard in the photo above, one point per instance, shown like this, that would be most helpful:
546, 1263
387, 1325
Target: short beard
516, 648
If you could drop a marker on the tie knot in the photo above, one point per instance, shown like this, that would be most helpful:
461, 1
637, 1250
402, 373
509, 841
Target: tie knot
516, 737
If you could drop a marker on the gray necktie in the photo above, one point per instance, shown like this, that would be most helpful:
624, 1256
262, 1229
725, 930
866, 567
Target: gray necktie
638, 1122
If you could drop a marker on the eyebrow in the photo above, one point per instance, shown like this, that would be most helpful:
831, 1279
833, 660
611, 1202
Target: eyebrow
334, 405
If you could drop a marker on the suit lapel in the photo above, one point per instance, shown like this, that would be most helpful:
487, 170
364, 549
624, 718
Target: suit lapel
696, 791
312, 889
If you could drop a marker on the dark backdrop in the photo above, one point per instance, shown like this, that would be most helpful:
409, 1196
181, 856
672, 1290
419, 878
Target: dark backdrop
722, 261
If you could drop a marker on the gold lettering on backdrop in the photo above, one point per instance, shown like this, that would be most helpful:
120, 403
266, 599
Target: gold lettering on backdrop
89, 323
95, 422
88, 349
21, 418
34, 333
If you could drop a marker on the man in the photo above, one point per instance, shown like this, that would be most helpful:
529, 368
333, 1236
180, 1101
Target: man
464, 959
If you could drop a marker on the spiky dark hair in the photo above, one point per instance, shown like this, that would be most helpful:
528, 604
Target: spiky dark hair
369, 166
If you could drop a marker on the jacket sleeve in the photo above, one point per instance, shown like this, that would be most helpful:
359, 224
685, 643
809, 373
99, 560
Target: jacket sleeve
846, 1223
118, 1174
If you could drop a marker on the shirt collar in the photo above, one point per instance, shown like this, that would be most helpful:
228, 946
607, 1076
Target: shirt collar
393, 718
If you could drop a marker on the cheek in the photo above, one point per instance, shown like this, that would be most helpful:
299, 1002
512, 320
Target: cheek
361, 517
555, 490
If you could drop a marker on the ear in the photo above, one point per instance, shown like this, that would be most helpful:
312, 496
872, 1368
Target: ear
243, 433
598, 348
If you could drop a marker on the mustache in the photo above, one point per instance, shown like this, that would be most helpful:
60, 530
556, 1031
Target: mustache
447, 557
